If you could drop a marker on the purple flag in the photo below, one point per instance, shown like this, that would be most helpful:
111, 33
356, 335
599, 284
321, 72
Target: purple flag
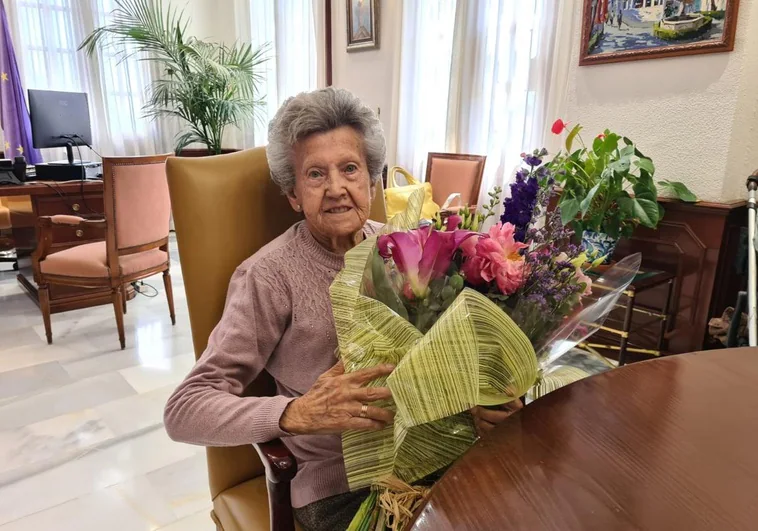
14, 116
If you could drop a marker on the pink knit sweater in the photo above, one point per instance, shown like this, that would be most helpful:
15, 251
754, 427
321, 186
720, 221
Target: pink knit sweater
278, 317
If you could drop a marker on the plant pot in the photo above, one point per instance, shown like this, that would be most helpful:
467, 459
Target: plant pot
599, 243
202, 152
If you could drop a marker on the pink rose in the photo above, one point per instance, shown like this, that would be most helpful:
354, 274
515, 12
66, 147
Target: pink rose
495, 257
581, 277
510, 276
472, 271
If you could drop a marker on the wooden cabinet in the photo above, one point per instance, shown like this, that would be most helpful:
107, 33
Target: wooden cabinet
699, 244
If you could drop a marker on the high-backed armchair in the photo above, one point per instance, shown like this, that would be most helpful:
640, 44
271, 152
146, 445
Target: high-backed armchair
226, 208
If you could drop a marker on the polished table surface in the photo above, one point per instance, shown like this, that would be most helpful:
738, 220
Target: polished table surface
51, 188
667, 444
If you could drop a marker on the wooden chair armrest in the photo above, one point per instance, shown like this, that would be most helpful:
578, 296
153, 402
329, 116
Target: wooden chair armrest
72, 221
279, 462
281, 467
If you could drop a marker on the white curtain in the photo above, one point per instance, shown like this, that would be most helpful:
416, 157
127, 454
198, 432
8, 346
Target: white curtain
426, 57
293, 32
480, 77
46, 36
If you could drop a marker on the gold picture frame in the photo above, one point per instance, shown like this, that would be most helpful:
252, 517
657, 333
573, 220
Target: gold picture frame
362, 25
628, 30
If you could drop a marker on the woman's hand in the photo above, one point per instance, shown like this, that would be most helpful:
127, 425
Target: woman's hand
486, 419
335, 402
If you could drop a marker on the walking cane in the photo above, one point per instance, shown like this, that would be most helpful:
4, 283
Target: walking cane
752, 282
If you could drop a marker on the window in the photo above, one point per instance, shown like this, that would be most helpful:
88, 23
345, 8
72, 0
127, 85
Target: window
425, 81
288, 28
49, 45
49, 34
124, 85
474, 79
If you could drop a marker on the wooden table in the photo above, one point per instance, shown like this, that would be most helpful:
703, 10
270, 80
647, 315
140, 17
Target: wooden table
80, 198
667, 444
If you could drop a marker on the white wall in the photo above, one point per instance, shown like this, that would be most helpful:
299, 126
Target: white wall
371, 74
695, 116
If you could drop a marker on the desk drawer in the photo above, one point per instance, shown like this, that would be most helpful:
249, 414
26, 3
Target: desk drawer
77, 234
86, 206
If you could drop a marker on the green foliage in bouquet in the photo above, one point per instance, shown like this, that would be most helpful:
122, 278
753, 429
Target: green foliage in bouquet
609, 186
473, 221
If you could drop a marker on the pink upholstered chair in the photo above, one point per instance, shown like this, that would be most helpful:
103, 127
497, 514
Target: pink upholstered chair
137, 212
453, 173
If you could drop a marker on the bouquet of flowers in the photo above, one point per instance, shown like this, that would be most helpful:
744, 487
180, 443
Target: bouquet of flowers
469, 319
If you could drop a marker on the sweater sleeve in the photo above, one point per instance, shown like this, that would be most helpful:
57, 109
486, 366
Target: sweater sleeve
207, 408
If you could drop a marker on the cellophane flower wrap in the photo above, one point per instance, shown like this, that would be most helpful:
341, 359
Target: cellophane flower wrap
468, 319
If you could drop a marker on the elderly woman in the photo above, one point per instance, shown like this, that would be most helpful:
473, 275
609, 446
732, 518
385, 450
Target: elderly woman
326, 151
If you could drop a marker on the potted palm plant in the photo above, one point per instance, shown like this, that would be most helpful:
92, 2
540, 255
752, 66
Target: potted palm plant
608, 189
206, 85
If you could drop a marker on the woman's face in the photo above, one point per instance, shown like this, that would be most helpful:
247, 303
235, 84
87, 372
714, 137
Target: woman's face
332, 184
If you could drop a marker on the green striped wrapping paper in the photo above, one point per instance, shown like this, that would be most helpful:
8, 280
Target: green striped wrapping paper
474, 355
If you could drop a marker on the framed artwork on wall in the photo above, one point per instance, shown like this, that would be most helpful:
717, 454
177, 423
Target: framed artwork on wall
362, 24
628, 30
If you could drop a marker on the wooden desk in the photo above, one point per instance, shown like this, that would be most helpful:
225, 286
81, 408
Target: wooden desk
658, 445
79, 198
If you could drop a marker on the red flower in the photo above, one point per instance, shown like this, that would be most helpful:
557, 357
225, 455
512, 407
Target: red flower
601, 136
559, 126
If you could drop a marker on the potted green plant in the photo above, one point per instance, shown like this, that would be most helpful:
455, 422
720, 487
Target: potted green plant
608, 188
207, 85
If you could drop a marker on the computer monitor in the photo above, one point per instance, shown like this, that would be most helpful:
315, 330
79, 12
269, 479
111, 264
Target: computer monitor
59, 119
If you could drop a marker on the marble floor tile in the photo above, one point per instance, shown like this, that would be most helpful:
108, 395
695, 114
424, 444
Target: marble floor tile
172, 493
98, 511
34, 378
144, 378
32, 352
154, 351
92, 472
197, 522
81, 448
183, 485
45, 444
135, 413
145, 500
78, 323
83, 394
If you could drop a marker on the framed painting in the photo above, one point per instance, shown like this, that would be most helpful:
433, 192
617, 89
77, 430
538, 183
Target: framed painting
362, 24
628, 30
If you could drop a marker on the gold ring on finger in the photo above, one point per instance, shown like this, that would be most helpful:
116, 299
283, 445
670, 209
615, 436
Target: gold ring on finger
364, 411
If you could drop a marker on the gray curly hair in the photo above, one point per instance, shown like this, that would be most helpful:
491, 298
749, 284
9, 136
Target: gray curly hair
317, 112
